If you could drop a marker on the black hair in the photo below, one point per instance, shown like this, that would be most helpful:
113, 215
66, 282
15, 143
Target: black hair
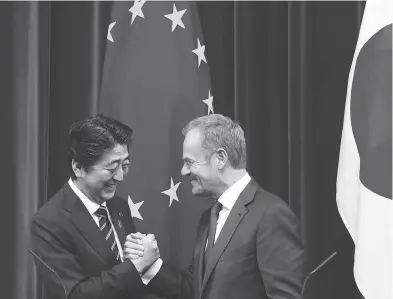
91, 137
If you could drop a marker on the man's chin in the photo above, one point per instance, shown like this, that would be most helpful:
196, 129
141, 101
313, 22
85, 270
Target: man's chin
108, 194
198, 192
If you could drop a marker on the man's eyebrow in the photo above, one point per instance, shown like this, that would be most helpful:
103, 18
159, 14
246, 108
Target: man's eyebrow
117, 160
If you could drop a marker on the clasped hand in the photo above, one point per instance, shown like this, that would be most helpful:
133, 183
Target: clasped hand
142, 250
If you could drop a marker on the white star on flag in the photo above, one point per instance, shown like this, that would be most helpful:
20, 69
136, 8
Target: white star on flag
175, 17
200, 52
209, 103
171, 192
136, 9
109, 36
134, 207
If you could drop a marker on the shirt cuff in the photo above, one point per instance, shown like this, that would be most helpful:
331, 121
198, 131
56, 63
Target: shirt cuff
153, 270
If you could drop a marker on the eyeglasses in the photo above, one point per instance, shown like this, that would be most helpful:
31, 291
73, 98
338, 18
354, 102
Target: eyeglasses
199, 161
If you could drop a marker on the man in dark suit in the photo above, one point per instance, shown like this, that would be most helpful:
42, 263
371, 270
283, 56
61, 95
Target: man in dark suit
77, 236
248, 244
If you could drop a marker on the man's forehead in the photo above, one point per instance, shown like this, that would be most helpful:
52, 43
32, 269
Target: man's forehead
193, 138
119, 152
192, 149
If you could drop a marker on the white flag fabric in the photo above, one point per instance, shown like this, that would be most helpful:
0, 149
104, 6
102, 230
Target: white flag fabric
364, 178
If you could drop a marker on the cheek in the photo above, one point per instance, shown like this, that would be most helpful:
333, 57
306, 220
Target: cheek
207, 178
99, 180
200, 176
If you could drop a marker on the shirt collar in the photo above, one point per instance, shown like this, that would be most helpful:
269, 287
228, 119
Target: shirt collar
90, 205
229, 197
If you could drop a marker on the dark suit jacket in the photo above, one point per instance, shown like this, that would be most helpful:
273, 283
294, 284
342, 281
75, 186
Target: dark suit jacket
258, 254
65, 236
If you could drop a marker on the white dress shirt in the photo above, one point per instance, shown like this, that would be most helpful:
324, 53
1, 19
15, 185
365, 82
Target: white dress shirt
228, 200
92, 207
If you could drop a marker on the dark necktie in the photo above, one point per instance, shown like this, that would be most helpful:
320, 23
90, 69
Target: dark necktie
107, 230
215, 210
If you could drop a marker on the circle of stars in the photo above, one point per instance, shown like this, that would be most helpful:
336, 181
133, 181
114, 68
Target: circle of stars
176, 18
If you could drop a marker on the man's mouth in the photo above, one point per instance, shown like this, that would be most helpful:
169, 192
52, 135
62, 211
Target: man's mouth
194, 180
111, 186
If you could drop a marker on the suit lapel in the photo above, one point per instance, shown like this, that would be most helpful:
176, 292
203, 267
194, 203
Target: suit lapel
86, 225
236, 215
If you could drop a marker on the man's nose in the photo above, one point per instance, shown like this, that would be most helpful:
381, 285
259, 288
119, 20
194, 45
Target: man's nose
185, 170
119, 174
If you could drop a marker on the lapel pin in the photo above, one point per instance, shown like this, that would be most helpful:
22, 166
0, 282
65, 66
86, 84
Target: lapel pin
120, 214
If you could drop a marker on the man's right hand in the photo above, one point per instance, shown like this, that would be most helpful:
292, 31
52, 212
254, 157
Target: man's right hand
145, 249
133, 247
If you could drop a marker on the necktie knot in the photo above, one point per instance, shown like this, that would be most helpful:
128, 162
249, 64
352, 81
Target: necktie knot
216, 209
101, 212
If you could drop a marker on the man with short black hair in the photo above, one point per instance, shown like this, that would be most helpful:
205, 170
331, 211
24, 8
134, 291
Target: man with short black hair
79, 233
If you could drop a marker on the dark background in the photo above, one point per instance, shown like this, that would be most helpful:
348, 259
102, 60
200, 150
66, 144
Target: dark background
279, 68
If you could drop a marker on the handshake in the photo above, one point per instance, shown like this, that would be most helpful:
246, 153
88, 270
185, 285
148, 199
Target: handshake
142, 250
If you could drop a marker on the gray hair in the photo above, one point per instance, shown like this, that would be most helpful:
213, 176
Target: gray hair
221, 132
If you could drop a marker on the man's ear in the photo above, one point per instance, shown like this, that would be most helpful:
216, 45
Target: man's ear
222, 158
77, 168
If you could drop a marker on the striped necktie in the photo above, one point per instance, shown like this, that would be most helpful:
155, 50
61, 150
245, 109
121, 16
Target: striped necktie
107, 229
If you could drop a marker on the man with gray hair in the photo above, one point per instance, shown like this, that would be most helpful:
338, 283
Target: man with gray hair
248, 244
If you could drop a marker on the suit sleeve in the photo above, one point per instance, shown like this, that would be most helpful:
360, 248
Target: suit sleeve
49, 242
172, 283
280, 253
